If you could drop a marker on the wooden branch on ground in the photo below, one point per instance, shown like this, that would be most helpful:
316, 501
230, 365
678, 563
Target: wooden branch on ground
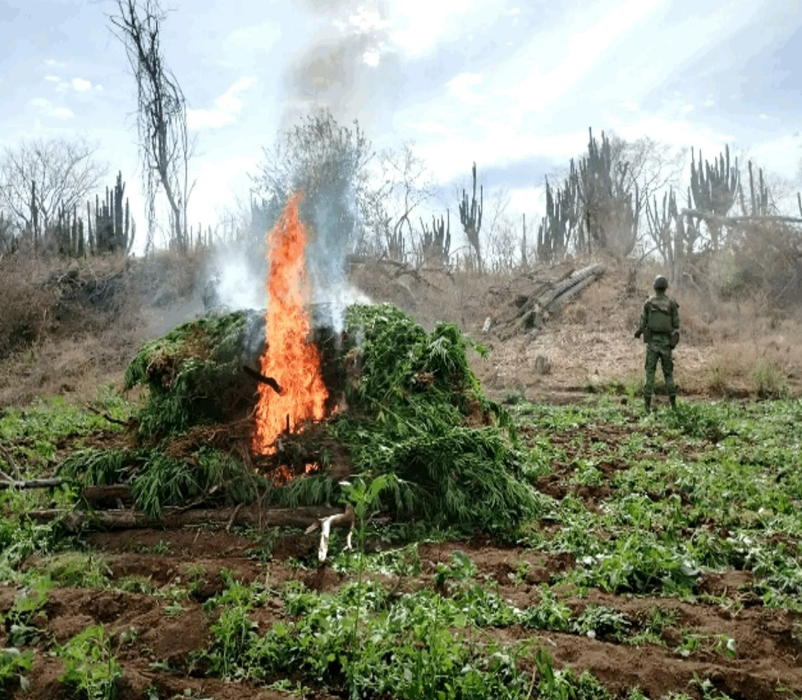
107, 417
176, 518
30, 483
325, 525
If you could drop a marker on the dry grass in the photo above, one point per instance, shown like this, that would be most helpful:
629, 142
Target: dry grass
69, 328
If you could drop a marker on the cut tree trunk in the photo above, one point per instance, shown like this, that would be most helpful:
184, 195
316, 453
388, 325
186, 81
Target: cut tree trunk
175, 518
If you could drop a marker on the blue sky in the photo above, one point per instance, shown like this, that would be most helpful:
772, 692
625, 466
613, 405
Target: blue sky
512, 84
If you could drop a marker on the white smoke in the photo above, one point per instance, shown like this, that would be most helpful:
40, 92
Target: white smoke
238, 285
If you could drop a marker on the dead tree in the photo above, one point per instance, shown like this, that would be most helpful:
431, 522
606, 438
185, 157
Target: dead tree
165, 147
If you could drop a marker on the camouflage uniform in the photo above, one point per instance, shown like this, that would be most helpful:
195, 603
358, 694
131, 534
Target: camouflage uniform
659, 325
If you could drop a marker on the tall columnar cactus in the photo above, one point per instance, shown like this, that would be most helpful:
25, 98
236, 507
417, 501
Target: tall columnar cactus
608, 199
470, 215
114, 232
66, 235
436, 241
396, 245
714, 188
559, 226
759, 202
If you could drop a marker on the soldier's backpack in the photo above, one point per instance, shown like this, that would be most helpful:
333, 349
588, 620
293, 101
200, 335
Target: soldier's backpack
659, 318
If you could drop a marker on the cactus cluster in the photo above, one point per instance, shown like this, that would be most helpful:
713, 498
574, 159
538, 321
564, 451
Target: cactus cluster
113, 231
436, 241
759, 202
596, 209
558, 227
714, 187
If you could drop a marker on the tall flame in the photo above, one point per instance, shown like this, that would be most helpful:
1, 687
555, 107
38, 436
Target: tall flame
289, 358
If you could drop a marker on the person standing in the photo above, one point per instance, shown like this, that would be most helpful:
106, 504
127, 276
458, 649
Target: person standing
659, 326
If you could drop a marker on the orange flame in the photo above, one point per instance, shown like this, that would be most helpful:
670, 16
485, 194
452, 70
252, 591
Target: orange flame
290, 358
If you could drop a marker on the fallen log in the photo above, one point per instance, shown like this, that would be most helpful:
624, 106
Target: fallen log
176, 518
30, 483
97, 495
545, 301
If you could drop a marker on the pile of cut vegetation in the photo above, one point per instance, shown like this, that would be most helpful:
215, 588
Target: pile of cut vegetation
410, 407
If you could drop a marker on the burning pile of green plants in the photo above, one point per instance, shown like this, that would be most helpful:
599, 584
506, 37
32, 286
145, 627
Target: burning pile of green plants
412, 409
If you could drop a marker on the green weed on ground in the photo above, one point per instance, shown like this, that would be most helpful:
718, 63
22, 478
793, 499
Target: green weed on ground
709, 488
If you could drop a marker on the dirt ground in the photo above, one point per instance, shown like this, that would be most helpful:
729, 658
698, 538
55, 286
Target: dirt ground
769, 653
588, 347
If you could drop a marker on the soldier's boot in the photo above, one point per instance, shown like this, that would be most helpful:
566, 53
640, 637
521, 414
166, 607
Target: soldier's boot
647, 403
673, 401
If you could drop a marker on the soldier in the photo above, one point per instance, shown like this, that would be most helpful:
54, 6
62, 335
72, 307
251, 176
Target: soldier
659, 326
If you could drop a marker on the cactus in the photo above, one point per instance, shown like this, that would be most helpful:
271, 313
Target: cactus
714, 188
436, 241
470, 214
609, 207
758, 197
113, 224
559, 225
396, 245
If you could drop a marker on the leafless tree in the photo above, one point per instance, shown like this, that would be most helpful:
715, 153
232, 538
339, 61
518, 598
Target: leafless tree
38, 178
400, 185
328, 163
165, 147
502, 241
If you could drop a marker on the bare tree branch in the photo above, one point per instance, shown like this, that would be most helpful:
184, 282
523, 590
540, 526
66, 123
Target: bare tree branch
65, 173
165, 147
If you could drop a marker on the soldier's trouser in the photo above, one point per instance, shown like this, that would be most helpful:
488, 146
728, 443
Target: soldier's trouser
667, 363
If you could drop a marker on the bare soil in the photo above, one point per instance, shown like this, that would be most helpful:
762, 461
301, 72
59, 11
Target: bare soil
769, 650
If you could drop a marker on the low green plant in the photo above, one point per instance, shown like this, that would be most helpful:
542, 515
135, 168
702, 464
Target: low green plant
76, 569
549, 614
20, 622
91, 669
599, 621
14, 664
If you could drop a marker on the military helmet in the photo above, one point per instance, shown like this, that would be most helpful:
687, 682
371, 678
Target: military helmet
660, 282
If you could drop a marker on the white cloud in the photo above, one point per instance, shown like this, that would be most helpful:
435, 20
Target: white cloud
99, 88
52, 79
81, 85
259, 37
462, 86
419, 25
372, 57
48, 109
687, 109
779, 155
367, 20
53, 63
579, 47
630, 106
227, 108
